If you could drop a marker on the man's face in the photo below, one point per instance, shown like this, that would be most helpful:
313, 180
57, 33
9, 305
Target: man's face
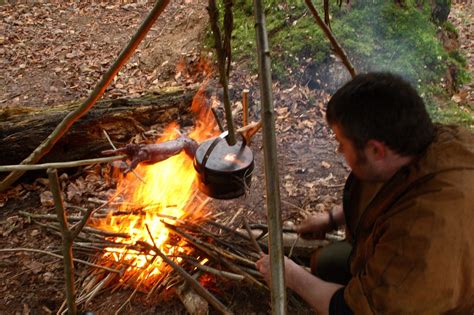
357, 159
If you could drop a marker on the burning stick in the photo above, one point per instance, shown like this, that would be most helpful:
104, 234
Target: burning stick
216, 255
189, 279
224, 274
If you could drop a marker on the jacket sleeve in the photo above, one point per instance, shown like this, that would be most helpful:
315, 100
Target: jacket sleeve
337, 305
419, 257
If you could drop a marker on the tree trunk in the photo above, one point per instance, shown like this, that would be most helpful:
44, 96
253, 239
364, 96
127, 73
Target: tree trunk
22, 130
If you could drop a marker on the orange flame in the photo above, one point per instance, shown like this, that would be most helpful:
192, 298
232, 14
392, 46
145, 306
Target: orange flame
157, 192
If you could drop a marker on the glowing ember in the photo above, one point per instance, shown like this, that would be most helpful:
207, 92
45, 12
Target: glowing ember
154, 193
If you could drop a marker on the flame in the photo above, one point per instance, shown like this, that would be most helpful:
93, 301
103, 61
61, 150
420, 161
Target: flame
153, 193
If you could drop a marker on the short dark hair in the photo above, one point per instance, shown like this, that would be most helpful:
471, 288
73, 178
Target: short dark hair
382, 106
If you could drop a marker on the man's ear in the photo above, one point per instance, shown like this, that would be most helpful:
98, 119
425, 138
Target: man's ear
376, 149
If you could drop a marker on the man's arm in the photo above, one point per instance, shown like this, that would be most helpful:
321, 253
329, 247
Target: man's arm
316, 292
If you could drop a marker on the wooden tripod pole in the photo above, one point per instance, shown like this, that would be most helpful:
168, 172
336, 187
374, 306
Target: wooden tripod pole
277, 284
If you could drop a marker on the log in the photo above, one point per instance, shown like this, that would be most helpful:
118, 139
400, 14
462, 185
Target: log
300, 246
23, 129
193, 302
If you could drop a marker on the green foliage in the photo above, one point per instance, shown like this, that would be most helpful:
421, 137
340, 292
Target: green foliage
401, 40
444, 110
377, 36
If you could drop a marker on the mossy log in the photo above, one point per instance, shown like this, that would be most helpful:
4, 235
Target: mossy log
23, 129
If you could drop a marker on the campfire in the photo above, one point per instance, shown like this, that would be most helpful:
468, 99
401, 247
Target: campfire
150, 197
157, 232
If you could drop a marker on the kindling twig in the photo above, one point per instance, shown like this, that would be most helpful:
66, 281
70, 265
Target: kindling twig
34, 250
124, 163
217, 256
252, 238
192, 282
218, 250
293, 246
222, 273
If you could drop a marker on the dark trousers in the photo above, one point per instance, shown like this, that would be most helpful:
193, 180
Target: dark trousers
331, 262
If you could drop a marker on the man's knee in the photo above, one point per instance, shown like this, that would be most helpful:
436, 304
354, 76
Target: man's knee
331, 263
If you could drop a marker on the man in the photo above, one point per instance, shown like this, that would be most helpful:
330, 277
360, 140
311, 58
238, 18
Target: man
408, 207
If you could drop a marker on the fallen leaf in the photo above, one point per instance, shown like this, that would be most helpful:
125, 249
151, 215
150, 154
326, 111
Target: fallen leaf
46, 198
325, 164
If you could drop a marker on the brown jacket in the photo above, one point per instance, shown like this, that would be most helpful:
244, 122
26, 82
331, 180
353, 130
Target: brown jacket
414, 237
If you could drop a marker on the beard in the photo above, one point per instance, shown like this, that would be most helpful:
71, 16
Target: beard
365, 170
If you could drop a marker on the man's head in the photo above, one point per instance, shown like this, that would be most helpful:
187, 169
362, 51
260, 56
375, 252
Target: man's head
380, 120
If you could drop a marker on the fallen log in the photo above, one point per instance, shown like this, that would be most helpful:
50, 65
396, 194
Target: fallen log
23, 129
291, 242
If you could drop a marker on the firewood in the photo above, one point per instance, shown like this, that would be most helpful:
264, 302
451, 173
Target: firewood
21, 131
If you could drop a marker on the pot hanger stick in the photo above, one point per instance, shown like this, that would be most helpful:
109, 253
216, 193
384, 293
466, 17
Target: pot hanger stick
223, 55
98, 91
327, 31
272, 182
189, 279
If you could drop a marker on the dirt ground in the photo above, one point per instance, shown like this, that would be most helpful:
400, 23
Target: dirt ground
52, 52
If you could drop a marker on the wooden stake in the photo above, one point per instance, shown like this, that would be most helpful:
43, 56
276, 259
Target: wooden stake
245, 107
68, 238
277, 282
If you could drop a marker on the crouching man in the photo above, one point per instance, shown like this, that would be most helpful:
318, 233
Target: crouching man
408, 208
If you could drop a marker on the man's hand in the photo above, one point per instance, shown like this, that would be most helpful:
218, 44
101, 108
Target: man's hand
313, 290
314, 227
263, 265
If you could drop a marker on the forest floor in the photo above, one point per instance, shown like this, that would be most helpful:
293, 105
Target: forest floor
52, 52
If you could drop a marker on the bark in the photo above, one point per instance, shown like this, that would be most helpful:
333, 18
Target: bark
22, 130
